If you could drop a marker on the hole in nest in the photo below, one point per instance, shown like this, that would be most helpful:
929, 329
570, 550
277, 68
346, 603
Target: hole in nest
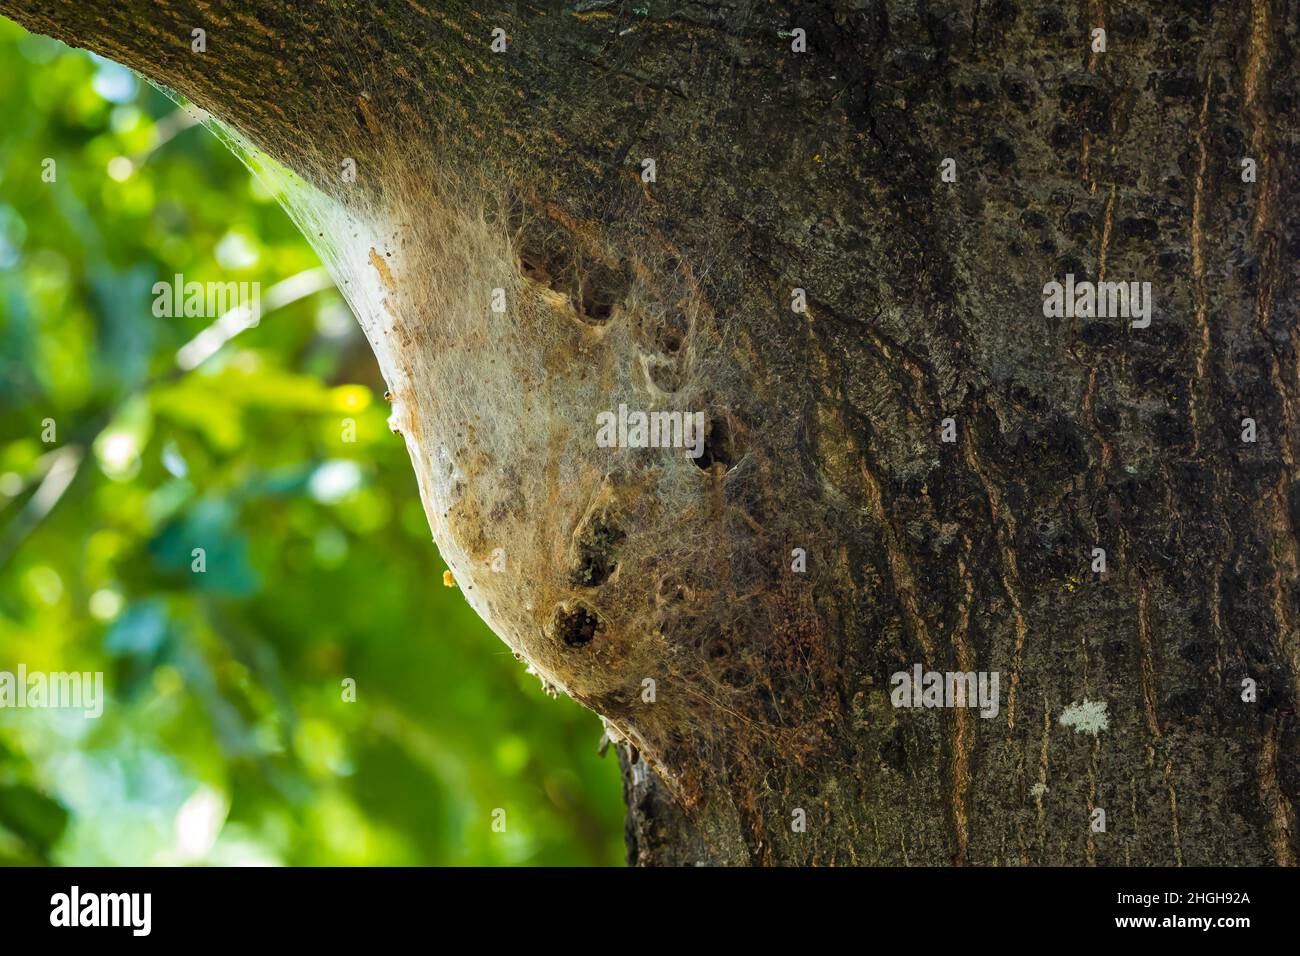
596, 305
601, 288
669, 332
703, 635
546, 254
767, 705
736, 677
673, 589
576, 627
533, 270
597, 542
666, 376
720, 446
549, 256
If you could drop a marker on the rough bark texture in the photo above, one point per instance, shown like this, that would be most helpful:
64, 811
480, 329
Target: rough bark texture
821, 170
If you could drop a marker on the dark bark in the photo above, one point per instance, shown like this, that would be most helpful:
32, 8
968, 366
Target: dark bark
821, 171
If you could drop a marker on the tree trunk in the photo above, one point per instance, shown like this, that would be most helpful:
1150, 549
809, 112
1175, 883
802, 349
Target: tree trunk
738, 618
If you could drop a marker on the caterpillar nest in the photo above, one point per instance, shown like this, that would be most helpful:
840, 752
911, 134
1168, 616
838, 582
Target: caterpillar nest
503, 329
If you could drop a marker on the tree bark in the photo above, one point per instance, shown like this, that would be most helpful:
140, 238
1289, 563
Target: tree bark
772, 737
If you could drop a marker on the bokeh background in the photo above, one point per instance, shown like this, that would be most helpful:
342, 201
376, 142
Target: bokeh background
226, 738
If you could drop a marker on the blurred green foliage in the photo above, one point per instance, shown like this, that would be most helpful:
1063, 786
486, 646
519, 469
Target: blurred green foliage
226, 737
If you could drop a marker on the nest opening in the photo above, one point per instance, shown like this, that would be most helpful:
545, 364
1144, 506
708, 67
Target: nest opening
577, 627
